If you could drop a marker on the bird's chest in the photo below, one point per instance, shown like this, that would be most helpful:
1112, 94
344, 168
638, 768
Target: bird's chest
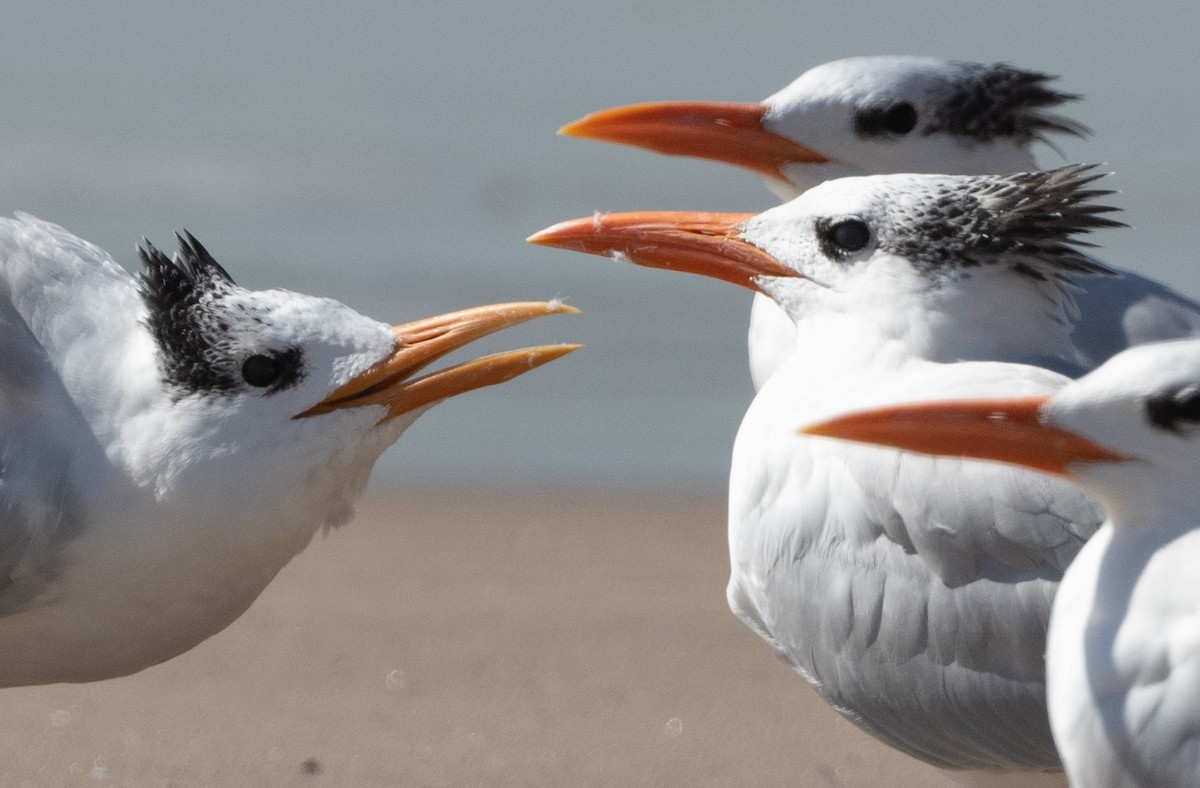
809, 549
145, 585
1123, 657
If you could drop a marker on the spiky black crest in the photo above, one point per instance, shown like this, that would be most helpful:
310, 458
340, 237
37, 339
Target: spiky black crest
174, 283
177, 293
1028, 220
1001, 101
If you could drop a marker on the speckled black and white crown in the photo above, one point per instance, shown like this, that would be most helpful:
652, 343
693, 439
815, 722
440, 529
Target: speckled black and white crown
987, 102
179, 293
170, 285
1028, 220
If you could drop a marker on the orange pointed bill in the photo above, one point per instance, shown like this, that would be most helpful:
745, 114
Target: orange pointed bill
390, 382
700, 243
721, 131
1005, 430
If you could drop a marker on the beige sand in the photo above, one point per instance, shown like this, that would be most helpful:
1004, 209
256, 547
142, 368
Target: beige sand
454, 639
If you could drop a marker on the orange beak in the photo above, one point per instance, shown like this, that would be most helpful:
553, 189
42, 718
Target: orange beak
390, 382
700, 243
728, 132
1005, 430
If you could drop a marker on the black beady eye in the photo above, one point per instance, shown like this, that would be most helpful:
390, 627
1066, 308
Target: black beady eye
850, 234
273, 371
1173, 410
844, 236
898, 118
260, 370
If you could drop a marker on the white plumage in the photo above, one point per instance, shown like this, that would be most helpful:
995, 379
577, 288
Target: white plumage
913, 594
168, 444
893, 114
1123, 655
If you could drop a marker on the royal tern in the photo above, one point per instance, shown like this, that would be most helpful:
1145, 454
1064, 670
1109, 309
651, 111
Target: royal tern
912, 593
878, 115
1123, 655
168, 443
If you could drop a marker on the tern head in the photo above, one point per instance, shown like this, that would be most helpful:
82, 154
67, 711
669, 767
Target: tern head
1129, 431
857, 116
926, 256
247, 381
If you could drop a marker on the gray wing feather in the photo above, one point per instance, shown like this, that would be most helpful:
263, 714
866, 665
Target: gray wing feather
39, 430
58, 295
922, 617
1117, 312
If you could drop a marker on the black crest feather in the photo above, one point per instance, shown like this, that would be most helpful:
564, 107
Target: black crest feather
176, 293
1002, 101
1029, 219
174, 285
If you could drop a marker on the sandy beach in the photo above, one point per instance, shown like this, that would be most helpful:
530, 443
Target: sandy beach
451, 638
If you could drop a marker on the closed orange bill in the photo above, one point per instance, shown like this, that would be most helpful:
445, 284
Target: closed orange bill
391, 382
1005, 430
694, 242
720, 131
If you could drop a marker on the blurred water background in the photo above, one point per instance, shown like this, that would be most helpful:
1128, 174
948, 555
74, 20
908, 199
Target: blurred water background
394, 156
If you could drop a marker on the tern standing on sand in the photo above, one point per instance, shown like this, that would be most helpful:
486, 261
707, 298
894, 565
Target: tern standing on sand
913, 594
168, 444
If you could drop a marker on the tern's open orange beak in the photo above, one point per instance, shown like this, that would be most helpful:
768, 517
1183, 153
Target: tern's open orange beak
728, 132
698, 243
390, 381
1004, 430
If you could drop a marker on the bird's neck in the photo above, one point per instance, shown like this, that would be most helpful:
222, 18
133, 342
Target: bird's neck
226, 507
1013, 320
1144, 498
199, 542
989, 316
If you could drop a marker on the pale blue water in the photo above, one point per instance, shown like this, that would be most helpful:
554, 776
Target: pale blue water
395, 155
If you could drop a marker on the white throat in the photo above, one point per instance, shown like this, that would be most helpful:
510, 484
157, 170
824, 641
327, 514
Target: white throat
988, 315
